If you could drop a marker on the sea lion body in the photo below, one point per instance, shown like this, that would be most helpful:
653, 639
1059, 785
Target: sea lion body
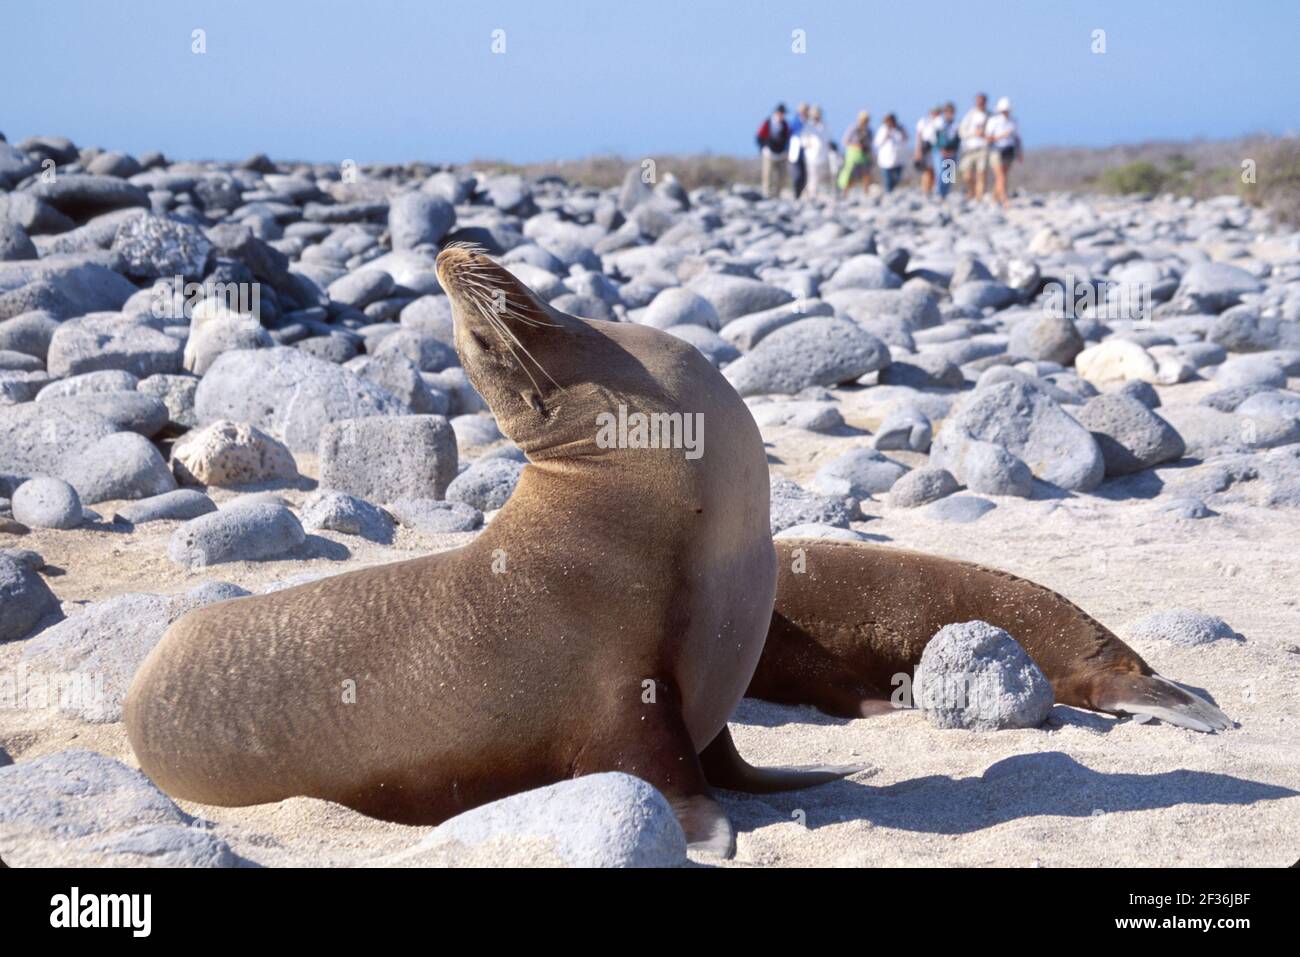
609, 618
850, 617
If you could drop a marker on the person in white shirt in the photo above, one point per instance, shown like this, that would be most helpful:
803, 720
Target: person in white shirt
816, 151
1004, 146
891, 141
923, 157
974, 164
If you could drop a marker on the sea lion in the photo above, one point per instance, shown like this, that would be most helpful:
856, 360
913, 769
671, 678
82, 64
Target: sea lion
850, 616
608, 619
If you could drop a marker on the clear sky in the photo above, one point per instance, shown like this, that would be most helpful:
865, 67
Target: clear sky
395, 80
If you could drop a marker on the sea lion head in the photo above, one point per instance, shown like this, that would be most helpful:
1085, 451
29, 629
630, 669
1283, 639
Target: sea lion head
553, 381
515, 349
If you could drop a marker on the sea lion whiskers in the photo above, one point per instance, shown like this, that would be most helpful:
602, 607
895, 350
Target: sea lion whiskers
476, 293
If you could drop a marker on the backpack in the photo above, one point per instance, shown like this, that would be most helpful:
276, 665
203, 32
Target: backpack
946, 138
764, 132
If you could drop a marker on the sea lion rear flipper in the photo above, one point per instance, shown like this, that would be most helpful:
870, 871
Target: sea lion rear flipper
725, 768
1154, 695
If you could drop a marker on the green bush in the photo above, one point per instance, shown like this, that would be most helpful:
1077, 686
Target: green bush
1139, 177
1277, 181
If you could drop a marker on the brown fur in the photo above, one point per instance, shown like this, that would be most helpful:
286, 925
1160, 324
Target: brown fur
622, 566
857, 615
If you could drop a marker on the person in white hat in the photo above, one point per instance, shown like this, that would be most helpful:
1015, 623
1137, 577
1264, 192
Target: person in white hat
1004, 146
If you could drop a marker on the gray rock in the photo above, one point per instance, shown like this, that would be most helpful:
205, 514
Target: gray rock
362, 287
15, 244
865, 271
681, 306
111, 342
798, 414
28, 333
241, 532
129, 411
237, 242
106, 380
62, 286
427, 353
487, 484
82, 196
25, 557
975, 676
397, 375
960, 509
1180, 627
124, 465
711, 345
858, 473
436, 517
287, 393
1246, 371
218, 334
1206, 431
599, 820
982, 294
340, 512
928, 370
47, 502
1227, 400
748, 331
107, 642
822, 350
1028, 424
1048, 338
35, 439
167, 846
793, 505
25, 599
1131, 436
904, 429
1143, 392
735, 296
1186, 508
151, 247
476, 429
419, 219
81, 808
991, 470
1270, 405
1214, 287
921, 487
382, 459
1244, 329
177, 393
177, 506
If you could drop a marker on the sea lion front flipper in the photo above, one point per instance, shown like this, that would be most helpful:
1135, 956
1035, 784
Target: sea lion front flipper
725, 768
652, 743
1157, 696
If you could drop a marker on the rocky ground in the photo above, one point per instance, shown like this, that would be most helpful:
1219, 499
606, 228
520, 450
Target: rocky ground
1097, 394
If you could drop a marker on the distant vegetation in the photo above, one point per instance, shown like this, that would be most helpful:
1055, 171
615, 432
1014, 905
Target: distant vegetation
1200, 169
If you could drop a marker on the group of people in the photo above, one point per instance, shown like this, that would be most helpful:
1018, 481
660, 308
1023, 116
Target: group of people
942, 150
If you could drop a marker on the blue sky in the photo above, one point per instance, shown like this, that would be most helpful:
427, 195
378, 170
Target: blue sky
394, 80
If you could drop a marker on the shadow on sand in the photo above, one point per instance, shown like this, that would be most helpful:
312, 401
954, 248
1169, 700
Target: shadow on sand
1026, 785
